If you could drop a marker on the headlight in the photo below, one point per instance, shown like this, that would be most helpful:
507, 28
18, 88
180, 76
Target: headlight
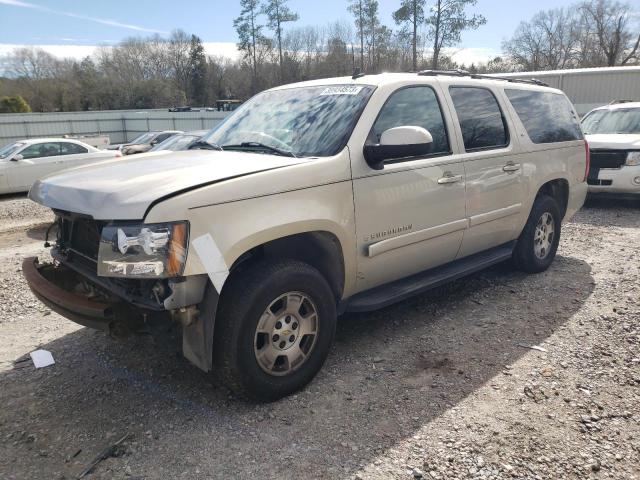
156, 250
633, 159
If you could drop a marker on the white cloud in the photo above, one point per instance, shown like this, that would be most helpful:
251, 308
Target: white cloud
475, 55
219, 49
103, 21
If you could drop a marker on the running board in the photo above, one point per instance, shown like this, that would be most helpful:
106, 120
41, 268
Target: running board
393, 292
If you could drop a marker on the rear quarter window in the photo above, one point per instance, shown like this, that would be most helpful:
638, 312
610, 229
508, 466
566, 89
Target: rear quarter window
547, 117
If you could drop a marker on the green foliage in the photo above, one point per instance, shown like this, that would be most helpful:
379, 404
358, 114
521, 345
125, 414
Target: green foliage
15, 104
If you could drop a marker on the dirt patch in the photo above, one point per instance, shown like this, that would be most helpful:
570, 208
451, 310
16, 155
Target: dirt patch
445, 385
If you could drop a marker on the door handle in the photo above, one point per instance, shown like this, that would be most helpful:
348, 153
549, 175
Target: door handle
448, 178
511, 167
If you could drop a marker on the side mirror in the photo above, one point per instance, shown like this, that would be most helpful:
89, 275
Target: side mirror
398, 142
17, 157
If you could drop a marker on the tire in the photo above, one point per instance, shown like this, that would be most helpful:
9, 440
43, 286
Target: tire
537, 245
243, 356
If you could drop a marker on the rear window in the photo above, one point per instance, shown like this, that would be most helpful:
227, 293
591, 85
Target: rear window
547, 117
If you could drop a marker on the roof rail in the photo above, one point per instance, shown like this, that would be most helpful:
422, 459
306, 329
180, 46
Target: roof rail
615, 102
464, 73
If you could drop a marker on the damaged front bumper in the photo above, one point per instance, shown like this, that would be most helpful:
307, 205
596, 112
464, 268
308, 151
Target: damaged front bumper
46, 281
57, 287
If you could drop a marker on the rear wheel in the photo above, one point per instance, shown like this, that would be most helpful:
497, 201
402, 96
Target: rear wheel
536, 248
274, 329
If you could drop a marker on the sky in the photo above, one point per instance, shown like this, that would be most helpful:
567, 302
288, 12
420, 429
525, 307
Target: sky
74, 27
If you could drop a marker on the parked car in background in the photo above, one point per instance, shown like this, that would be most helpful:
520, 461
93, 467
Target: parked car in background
181, 141
143, 143
183, 109
613, 134
25, 161
313, 199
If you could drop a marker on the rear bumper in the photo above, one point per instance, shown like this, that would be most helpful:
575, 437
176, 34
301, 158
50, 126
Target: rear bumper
577, 196
44, 281
625, 179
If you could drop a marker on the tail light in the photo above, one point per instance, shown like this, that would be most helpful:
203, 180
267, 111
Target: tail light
588, 157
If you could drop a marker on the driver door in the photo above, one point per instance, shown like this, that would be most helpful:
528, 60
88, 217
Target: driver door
410, 216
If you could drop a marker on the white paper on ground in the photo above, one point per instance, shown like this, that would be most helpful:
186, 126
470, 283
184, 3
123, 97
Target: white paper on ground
42, 358
212, 260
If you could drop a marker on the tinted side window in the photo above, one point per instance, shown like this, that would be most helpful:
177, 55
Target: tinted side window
71, 149
415, 107
481, 120
547, 117
162, 137
39, 150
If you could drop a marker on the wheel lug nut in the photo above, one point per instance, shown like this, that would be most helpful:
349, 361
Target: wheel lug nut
276, 337
283, 344
292, 338
278, 325
295, 325
287, 319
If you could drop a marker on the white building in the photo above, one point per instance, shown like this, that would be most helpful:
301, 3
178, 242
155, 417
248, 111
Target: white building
590, 87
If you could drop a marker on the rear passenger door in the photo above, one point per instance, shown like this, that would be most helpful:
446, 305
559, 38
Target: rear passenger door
72, 155
410, 215
494, 180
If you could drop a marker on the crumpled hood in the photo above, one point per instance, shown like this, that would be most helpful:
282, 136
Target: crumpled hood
123, 189
617, 141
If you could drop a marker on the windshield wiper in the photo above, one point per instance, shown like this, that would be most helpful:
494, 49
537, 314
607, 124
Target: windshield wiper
277, 151
202, 145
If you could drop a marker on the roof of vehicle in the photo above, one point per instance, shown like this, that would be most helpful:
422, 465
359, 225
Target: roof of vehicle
426, 77
31, 141
619, 105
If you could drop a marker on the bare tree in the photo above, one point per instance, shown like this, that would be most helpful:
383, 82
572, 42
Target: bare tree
278, 13
447, 21
356, 7
250, 35
611, 21
411, 14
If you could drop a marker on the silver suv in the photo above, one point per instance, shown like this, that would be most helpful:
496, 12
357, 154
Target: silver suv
312, 200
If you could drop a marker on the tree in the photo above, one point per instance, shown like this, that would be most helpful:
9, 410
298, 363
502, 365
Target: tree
197, 72
277, 13
446, 23
611, 22
372, 23
356, 7
411, 14
15, 104
250, 34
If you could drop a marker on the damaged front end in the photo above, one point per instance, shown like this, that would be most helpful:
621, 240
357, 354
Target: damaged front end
76, 286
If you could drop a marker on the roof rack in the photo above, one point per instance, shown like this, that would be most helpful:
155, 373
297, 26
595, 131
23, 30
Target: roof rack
465, 73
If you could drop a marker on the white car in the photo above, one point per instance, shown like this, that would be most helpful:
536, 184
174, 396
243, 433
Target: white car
25, 161
613, 134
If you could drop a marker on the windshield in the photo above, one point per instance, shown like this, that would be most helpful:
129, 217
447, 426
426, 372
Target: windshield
612, 121
144, 138
175, 143
10, 149
305, 121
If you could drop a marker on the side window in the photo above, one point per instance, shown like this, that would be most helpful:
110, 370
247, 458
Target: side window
39, 150
71, 149
481, 121
547, 117
416, 107
162, 137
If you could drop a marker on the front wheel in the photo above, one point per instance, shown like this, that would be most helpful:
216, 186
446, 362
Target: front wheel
274, 329
536, 248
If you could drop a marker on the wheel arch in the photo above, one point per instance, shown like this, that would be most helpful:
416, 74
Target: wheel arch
558, 189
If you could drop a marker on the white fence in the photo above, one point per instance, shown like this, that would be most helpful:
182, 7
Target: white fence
120, 125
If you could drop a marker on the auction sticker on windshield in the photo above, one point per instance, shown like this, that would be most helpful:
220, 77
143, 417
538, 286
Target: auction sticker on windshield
342, 90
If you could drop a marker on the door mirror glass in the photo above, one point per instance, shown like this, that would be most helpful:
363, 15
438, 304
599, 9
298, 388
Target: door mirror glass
398, 142
17, 157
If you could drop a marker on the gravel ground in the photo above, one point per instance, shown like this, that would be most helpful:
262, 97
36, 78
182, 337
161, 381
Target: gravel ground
442, 386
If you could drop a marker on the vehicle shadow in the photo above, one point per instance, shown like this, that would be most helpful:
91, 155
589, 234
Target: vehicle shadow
390, 373
610, 210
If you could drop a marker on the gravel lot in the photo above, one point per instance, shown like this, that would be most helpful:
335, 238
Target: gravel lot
442, 386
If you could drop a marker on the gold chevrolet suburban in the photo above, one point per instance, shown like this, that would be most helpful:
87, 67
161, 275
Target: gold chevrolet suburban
311, 200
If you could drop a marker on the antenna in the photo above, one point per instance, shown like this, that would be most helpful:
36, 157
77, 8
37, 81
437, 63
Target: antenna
357, 74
